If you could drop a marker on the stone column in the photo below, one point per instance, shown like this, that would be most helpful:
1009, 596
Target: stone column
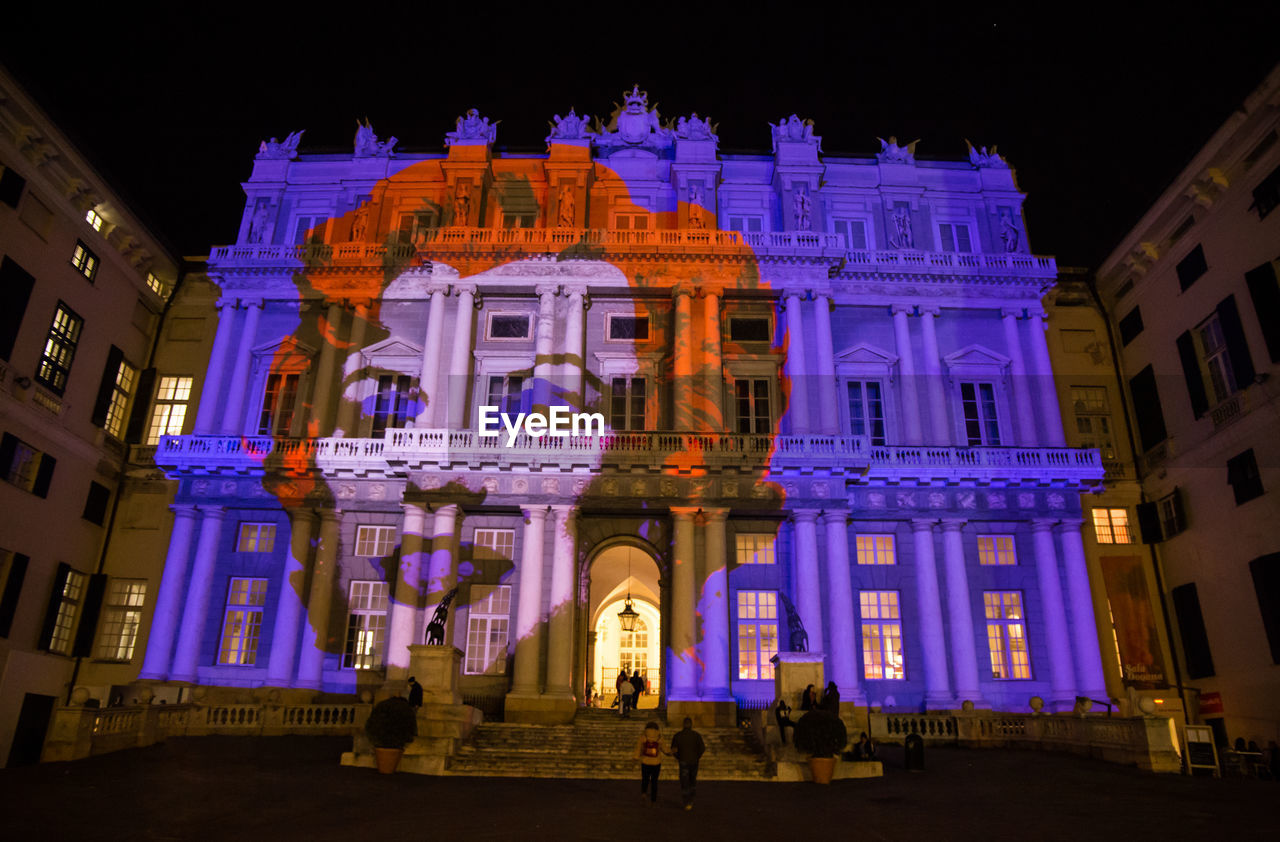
164, 623
233, 418
907, 374
574, 361
828, 399
319, 425
460, 360
442, 569
198, 592
349, 413
544, 346
939, 430
1063, 690
561, 609
681, 668
429, 379
1023, 409
808, 579
528, 636
712, 406
937, 689
713, 608
682, 359
284, 640
964, 652
843, 651
1050, 411
1090, 679
206, 416
311, 659
406, 591
796, 367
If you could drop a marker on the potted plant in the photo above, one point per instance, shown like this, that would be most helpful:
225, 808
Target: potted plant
821, 735
392, 725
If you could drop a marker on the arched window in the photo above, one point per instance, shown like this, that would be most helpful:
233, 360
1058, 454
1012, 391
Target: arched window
633, 649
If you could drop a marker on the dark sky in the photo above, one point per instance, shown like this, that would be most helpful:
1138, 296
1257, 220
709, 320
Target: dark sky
1096, 110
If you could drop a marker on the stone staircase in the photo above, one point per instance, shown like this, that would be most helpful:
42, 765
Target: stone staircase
599, 744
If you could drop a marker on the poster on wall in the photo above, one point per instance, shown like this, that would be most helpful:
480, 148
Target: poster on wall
1135, 622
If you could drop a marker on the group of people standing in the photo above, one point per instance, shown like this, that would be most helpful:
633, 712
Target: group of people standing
629, 690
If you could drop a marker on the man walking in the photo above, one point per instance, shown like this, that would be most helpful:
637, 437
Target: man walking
688, 747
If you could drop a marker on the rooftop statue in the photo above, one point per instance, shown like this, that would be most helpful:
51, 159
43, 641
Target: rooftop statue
569, 127
695, 128
367, 144
892, 153
983, 158
634, 123
472, 128
796, 130
274, 150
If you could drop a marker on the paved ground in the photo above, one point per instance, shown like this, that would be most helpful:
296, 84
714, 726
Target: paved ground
293, 788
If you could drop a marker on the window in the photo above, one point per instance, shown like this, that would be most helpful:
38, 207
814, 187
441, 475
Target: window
981, 425
494, 543
94, 220
509, 325
415, 228
757, 633
1111, 526
256, 538
1267, 194
59, 349
753, 406
1213, 347
1215, 358
391, 406
1266, 585
16, 284
996, 550
85, 261
375, 541
628, 328
488, 625
627, 403
633, 649
755, 548
1263, 289
95, 504
366, 625
11, 186
1191, 267
1263, 147
506, 393
118, 379
631, 221
1182, 229
157, 286
1006, 635
866, 410
121, 619
1243, 476
310, 230
875, 549
854, 231
68, 590
881, 635
1195, 641
746, 224
1093, 418
170, 410
519, 220
243, 622
749, 329
24, 466
1172, 517
1146, 406
13, 570
278, 405
954, 236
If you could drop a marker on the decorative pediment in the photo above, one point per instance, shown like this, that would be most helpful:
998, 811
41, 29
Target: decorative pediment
975, 358
866, 354
284, 355
392, 348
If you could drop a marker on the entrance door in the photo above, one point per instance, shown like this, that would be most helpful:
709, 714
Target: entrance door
33, 723
617, 573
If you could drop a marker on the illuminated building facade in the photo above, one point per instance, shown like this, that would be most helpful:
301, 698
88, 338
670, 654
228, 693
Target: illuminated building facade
830, 422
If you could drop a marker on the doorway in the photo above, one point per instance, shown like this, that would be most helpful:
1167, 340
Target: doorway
620, 572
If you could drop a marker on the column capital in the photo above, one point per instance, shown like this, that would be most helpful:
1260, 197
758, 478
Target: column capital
575, 290
534, 513
330, 515
545, 290
212, 511
934, 310
921, 524
684, 513
183, 509
795, 292
301, 513
437, 288
953, 524
804, 515
1035, 314
715, 515
835, 516
464, 288
564, 512
1043, 524
682, 288
906, 309
1070, 524
226, 303
252, 302
407, 506
1012, 312
446, 509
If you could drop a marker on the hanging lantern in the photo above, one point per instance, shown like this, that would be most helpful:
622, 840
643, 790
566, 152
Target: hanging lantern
627, 617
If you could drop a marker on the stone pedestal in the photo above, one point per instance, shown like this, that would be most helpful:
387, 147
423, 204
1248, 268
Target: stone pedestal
704, 713
437, 668
794, 671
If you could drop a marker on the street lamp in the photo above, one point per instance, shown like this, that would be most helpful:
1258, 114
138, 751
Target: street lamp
627, 616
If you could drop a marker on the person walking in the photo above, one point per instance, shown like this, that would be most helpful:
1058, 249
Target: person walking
687, 747
625, 692
649, 752
638, 682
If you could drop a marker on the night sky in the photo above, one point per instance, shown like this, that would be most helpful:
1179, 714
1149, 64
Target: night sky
1097, 112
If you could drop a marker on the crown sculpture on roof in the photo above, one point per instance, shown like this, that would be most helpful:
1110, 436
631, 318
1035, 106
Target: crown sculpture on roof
367, 143
274, 150
983, 158
472, 130
891, 153
794, 130
634, 123
569, 127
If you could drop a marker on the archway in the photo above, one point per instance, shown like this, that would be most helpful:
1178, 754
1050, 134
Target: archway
618, 571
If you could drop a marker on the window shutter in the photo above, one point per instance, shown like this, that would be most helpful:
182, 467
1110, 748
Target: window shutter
12, 590
7, 446
1266, 584
15, 292
1179, 512
1191, 371
11, 185
51, 610
107, 387
1265, 293
141, 405
1237, 347
1146, 403
44, 474
91, 607
1195, 642
1149, 523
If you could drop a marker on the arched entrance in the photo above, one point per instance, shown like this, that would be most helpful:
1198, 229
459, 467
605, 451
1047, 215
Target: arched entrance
617, 571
